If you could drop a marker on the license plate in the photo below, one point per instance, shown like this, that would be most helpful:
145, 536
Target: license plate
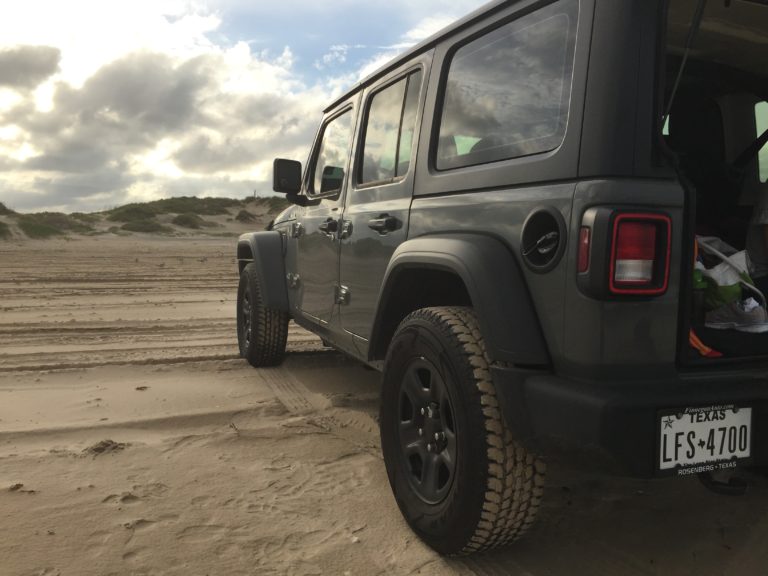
705, 439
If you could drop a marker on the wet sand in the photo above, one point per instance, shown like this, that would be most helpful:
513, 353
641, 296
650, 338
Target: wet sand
133, 440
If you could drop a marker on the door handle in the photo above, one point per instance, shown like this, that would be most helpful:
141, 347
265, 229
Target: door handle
330, 226
384, 224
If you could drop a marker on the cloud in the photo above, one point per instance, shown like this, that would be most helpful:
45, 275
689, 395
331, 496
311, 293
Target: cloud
145, 123
122, 109
337, 54
426, 28
27, 66
162, 97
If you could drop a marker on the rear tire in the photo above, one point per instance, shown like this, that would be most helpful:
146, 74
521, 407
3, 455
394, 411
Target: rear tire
460, 479
262, 332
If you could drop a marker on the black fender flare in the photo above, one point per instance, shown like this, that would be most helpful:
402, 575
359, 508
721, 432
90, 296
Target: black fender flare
266, 250
494, 282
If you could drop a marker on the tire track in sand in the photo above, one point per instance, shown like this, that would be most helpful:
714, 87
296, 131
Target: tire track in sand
101, 301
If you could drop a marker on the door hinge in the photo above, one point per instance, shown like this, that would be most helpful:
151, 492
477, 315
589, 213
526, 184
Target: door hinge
293, 280
297, 230
346, 229
342, 295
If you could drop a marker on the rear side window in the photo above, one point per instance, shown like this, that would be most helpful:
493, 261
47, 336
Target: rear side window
389, 131
328, 176
761, 114
507, 93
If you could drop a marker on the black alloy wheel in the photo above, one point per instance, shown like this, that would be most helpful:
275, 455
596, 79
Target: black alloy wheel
427, 431
461, 480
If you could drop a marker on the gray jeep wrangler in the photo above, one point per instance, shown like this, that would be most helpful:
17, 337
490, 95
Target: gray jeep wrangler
504, 222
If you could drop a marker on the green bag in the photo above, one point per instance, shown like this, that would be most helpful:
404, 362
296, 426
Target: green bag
726, 282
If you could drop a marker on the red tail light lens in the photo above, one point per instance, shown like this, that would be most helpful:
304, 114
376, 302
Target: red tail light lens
635, 252
640, 254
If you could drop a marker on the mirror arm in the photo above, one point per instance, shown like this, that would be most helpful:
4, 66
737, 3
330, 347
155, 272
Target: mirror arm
301, 200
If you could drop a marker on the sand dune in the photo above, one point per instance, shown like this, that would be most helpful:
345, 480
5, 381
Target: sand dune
133, 440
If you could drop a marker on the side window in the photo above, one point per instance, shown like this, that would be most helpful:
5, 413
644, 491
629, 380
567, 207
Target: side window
761, 114
507, 93
389, 131
328, 175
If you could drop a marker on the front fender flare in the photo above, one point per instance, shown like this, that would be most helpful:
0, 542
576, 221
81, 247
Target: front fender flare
266, 250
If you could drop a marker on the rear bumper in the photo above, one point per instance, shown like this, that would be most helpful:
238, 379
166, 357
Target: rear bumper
620, 420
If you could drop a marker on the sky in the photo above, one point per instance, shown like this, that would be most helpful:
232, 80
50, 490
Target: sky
105, 102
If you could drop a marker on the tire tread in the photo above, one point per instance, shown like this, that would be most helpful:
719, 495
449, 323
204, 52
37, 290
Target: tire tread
269, 327
515, 477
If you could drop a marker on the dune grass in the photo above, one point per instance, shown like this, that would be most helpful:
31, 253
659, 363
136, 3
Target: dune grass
179, 205
47, 224
192, 205
35, 229
187, 212
5, 231
274, 204
149, 226
131, 213
88, 218
192, 221
245, 217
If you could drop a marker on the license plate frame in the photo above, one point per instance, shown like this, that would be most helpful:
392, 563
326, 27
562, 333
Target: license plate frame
698, 439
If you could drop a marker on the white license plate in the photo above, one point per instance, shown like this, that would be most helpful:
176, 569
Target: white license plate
705, 439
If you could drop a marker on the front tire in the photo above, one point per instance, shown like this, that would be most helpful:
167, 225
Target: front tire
262, 332
460, 479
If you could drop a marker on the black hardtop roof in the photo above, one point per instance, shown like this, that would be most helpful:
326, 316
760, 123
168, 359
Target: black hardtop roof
423, 46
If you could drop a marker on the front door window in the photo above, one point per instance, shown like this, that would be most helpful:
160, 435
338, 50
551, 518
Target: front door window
332, 156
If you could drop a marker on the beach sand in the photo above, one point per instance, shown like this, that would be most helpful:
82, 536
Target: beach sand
133, 440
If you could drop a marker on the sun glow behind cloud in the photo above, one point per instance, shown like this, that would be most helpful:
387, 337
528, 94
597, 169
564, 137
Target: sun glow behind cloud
92, 33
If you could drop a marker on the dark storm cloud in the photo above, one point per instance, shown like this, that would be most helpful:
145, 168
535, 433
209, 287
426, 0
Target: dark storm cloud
284, 116
72, 190
282, 124
203, 155
214, 186
72, 186
125, 108
27, 66
144, 90
90, 142
71, 155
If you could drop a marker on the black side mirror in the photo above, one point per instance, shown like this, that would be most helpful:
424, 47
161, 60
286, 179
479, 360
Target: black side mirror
286, 176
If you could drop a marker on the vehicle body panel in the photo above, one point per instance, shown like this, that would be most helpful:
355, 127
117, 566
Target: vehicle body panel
567, 364
365, 252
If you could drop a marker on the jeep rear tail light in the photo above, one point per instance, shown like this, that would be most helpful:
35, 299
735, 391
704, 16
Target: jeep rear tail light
640, 254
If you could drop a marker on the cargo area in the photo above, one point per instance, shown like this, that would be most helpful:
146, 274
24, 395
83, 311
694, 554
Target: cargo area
716, 132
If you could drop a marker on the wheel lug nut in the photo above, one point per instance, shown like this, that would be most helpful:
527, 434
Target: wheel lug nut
437, 436
422, 411
421, 431
429, 447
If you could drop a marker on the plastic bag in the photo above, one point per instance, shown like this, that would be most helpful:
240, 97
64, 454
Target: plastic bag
726, 281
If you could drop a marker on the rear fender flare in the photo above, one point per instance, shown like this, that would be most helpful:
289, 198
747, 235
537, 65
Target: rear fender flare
494, 282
